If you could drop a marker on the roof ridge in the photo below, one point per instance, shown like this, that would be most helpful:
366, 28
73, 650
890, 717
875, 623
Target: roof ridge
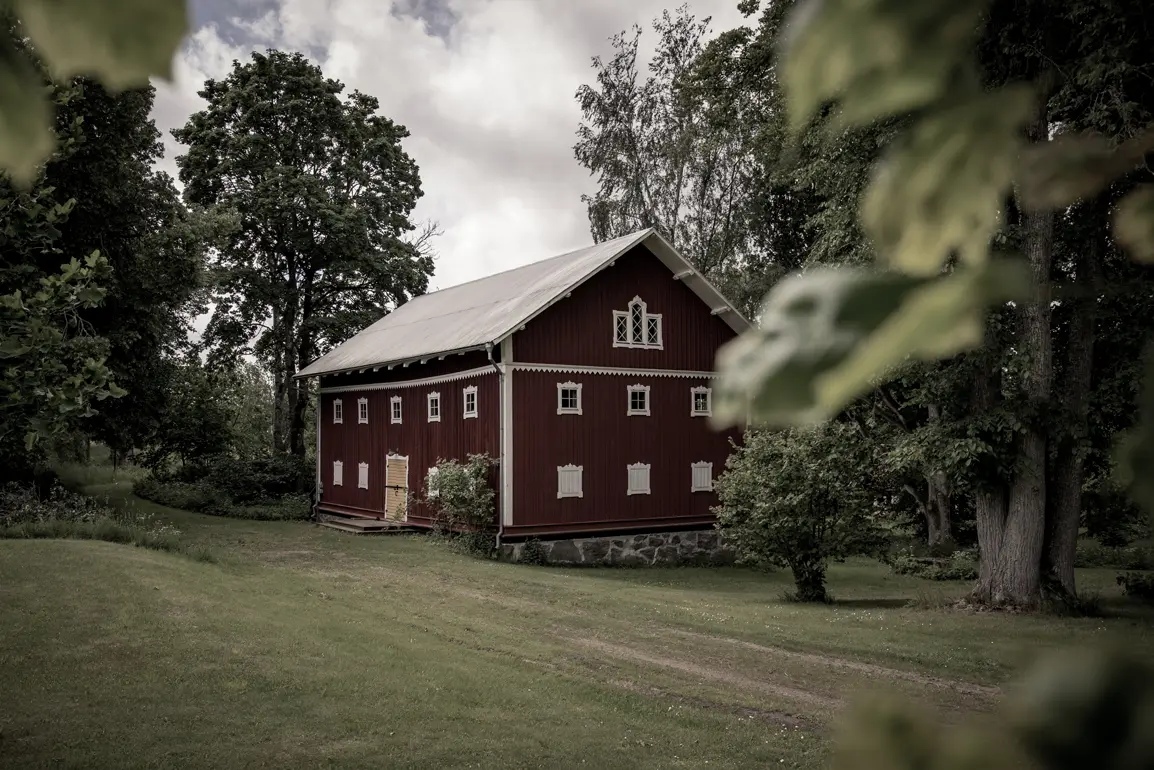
530, 264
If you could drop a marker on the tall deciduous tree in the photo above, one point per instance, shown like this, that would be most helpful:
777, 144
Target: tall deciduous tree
664, 152
322, 191
52, 365
133, 214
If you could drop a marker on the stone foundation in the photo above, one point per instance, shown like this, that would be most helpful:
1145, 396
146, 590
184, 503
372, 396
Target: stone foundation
705, 548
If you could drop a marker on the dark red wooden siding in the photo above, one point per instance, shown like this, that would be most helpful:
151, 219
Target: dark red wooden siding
579, 330
604, 440
422, 441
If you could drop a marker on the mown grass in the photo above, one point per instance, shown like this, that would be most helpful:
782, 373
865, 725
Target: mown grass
308, 647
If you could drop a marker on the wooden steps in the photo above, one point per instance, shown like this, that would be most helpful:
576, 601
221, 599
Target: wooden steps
358, 525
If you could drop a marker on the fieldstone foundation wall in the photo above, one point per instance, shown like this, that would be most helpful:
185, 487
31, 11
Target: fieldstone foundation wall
659, 549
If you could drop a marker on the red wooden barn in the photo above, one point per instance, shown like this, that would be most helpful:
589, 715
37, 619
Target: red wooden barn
587, 376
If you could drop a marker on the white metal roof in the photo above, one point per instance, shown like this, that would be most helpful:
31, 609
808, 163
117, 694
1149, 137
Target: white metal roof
471, 315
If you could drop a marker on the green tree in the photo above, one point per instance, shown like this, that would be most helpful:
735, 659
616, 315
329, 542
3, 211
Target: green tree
799, 498
673, 151
321, 191
54, 371
155, 248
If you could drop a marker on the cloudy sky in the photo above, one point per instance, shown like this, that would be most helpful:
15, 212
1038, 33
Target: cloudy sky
484, 86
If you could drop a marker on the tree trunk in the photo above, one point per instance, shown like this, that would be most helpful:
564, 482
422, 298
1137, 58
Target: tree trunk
989, 501
1070, 455
940, 510
300, 404
280, 385
810, 581
1015, 576
940, 498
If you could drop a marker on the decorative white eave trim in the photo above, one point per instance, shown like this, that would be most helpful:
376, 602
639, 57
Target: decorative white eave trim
573, 369
464, 375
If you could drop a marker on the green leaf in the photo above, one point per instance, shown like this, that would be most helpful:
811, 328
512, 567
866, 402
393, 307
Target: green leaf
827, 335
1134, 223
121, 43
1070, 168
26, 138
880, 57
1061, 172
940, 190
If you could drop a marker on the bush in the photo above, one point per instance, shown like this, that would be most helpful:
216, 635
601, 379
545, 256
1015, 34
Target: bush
460, 495
1138, 585
1131, 557
202, 497
532, 552
27, 514
799, 498
961, 565
263, 478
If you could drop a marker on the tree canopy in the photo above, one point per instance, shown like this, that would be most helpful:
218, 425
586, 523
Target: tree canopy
320, 193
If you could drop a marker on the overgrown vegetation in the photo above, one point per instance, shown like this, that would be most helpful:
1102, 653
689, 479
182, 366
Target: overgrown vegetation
1139, 585
960, 565
267, 488
26, 513
799, 498
460, 496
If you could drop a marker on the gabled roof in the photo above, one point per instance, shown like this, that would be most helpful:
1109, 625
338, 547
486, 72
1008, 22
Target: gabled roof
474, 315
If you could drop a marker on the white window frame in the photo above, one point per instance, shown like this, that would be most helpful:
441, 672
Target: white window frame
338, 473
629, 410
694, 486
362, 476
634, 484
630, 329
338, 412
362, 411
469, 414
573, 472
396, 411
693, 394
429, 476
561, 388
430, 399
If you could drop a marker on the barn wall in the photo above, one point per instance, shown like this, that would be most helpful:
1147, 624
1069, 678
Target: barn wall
579, 330
422, 441
604, 440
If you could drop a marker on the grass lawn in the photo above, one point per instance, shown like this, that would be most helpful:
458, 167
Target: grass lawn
304, 647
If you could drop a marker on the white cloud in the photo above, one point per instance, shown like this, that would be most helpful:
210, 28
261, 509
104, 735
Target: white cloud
489, 104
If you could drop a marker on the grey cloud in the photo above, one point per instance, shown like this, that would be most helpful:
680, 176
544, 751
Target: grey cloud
438, 16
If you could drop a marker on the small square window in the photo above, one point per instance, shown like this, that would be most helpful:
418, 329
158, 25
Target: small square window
434, 402
338, 473
638, 403
701, 477
470, 397
338, 412
363, 476
700, 402
395, 409
362, 411
638, 479
569, 480
568, 398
